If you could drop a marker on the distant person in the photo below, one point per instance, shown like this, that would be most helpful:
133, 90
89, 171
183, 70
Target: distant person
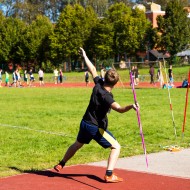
56, 74
133, 71
170, 75
136, 73
133, 74
151, 72
185, 84
0, 77
41, 77
86, 76
31, 77
60, 75
94, 124
14, 79
26, 77
6, 78
18, 78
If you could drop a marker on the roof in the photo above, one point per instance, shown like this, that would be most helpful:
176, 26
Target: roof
159, 55
184, 53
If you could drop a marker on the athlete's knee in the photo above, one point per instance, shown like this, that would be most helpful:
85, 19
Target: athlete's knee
77, 145
116, 145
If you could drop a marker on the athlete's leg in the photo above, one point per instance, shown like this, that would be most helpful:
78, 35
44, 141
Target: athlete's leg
114, 154
68, 155
107, 141
72, 150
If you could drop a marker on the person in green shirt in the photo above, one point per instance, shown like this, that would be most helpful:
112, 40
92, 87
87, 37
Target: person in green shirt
6, 78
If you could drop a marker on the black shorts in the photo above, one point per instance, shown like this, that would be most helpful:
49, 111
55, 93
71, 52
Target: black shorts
88, 132
41, 79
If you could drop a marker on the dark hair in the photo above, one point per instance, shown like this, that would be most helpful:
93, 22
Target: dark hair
111, 77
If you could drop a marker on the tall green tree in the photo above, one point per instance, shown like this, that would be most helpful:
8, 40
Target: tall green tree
129, 28
174, 28
11, 33
4, 48
35, 44
100, 43
72, 30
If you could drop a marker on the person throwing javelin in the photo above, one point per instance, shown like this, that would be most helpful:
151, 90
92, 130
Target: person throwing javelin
94, 124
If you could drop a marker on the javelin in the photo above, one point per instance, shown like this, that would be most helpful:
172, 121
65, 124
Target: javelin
186, 103
139, 120
170, 99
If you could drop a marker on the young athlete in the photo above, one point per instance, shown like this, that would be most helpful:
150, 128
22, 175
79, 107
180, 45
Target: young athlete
95, 122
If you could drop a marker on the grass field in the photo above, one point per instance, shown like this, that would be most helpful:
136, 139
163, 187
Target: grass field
38, 124
180, 73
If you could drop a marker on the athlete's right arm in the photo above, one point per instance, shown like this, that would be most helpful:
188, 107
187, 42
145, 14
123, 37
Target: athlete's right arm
91, 67
122, 109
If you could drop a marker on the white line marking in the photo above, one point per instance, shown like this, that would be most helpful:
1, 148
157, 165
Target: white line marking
36, 130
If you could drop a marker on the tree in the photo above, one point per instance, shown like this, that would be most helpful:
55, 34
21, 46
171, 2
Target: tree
99, 6
72, 30
28, 9
4, 49
35, 41
11, 33
174, 28
129, 28
100, 42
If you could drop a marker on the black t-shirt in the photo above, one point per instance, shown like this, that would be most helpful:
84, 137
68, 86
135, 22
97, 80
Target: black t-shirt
136, 72
170, 73
99, 106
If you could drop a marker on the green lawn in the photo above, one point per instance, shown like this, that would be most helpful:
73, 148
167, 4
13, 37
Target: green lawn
38, 124
180, 73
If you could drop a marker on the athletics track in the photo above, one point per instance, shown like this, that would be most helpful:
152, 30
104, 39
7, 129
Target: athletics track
165, 176
91, 84
166, 171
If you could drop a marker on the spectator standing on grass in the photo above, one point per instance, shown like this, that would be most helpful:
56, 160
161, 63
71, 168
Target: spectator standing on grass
56, 73
14, 79
86, 76
151, 72
25, 77
18, 78
94, 124
133, 74
41, 77
6, 78
60, 75
170, 74
0, 77
136, 73
31, 77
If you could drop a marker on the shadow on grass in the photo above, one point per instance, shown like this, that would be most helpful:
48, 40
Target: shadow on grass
49, 173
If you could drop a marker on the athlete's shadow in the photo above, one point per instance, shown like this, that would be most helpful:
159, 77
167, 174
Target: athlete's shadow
50, 173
